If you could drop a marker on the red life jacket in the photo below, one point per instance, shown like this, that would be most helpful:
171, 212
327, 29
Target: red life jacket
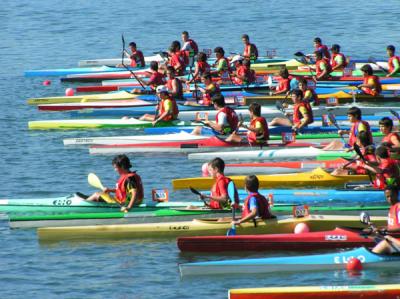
137, 59
318, 66
156, 79
297, 116
231, 117
262, 138
369, 157
193, 45
175, 110
354, 132
217, 192
179, 93
178, 58
262, 206
247, 52
390, 63
120, 190
391, 172
203, 67
314, 97
208, 95
388, 138
284, 84
324, 50
334, 63
372, 91
393, 219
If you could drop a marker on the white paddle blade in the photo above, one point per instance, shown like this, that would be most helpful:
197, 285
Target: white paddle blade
94, 181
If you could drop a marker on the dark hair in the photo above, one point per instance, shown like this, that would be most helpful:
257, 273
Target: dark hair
217, 163
317, 40
219, 100
170, 69
303, 81
392, 188
252, 183
391, 48
283, 72
132, 44
386, 122
355, 111
382, 152
185, 33
175, 46
298, 93
368, 69
202, 57
122, 161
255, 108
219, 50
246, 36
246, 62
335, 47
318, 54
154, 65
363, 136
206, 75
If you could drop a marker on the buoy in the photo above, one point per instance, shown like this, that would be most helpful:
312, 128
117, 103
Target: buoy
69, 92
204, 170
301, 228
46, 82
354, 265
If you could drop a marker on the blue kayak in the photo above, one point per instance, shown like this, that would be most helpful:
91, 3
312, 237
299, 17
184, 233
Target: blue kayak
329, 261
76, 70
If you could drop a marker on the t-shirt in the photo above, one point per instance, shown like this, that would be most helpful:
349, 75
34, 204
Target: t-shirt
168, 105
339, 59
222, 119
222, 65
130, 184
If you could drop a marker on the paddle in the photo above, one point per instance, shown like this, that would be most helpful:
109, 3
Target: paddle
194, 191
305, 61
94, 181
231, 194
358, 151
122, 62
395, 114
280, 107
332, 119
373, 61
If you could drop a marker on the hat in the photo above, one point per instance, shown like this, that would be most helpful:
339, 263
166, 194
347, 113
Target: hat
161, 89
237, 58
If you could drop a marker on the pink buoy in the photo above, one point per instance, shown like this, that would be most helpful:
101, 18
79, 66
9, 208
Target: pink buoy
301, 228
204, 170
354, 265
46, 82
69, 92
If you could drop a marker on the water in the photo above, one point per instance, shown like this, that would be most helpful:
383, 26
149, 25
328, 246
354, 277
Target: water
53, 34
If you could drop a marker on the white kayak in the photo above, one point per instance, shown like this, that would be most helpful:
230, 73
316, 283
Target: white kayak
115, 61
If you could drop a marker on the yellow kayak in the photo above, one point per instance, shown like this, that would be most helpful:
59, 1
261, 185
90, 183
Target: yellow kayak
291, 64
316, 178
199, 227
122, 95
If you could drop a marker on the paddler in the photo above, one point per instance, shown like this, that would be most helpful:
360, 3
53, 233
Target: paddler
190, 47
219, 198
309, 94
250, 51
302, 113
167, 108
255, 205
174, 85
338, 60
156, 79
129, 187
210, 89
358, 125
371, 85
136, 56
226, 120
176, 58
393, 62
319, 47
258, 133
390, 139
201, 67
322, 66
389, 244
283, 86
221, 64
244, 75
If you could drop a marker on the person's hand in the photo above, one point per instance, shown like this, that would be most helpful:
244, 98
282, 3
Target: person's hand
203, 196
154, 122
124, 209
341, 132
107, 190
235, 222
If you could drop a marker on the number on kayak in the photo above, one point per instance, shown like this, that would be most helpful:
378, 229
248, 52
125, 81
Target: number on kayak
160, 195
300, 211
288, 137
325, 120
332, 101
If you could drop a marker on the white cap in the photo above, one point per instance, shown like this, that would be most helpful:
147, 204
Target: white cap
236, 58
161, 88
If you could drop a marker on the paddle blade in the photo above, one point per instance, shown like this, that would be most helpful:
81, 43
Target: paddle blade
231, 231
231, 191
299, 54
365, 218
395, 114
279, 106
332, 119
194, 191
94, 181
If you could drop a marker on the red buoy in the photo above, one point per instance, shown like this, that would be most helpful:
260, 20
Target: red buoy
354, 265
46, 82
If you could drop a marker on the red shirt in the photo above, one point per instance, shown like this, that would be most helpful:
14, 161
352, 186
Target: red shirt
393, 217
284, 84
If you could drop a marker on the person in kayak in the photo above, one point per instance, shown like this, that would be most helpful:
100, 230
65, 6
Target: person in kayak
371, 84
322, 67
222, 67
167, 108
309, 94
174, 85
190, 48
258, 133
156, 79
283, 86
210, 89
338, 60
302, 113
390, 139
176, 58
319, 47
201, 67
387, 172
219, 198
358, 125
389, 244
255, 205
244, 75
129, 187
136, 56
250, 51
393, 62
226, 120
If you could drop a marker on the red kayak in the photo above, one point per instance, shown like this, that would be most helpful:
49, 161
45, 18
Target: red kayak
337, 238
291, 164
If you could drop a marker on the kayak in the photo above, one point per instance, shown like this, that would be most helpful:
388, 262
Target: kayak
76, 203
94, 106
336, 238
116, 61
299, 153
316, 178
87, 70
72, 124
320, 262
197, 227
189, 146
383, 291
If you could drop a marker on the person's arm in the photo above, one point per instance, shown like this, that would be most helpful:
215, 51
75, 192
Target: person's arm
396, 68
252, 215
305, 120
220, 122
339, 63
258, 129
196, 73
324, 71
132, 201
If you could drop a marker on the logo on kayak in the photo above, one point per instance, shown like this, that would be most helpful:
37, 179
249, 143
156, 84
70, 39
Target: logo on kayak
341, 259
316, 177
62, 202
179, 227
335, 238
